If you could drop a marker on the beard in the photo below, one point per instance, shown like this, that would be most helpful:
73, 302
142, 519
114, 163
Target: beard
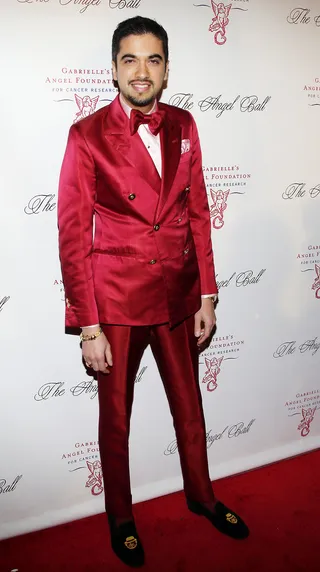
140, 102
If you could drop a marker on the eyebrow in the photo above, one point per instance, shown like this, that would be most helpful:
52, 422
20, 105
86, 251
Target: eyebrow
152, 56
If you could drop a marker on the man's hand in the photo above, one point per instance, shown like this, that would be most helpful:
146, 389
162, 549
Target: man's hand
97, 353
204, 321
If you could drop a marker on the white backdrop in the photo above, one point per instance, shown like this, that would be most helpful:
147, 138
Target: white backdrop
253, 86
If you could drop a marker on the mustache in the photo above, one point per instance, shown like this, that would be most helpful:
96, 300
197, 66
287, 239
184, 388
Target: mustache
142, 80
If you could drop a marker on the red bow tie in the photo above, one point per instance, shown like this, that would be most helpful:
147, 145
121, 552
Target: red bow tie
153, 120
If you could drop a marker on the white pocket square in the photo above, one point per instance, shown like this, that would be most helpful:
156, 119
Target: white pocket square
185, 146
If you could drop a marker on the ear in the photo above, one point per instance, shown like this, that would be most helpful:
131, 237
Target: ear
114, 71
166, 74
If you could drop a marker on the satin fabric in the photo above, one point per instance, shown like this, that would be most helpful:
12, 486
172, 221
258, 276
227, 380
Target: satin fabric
135, 248
153, 120
175, 351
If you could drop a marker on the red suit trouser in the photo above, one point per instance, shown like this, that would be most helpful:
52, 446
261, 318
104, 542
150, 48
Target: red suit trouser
176, 354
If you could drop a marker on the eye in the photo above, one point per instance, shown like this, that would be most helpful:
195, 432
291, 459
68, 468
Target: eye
155, 61
128, 61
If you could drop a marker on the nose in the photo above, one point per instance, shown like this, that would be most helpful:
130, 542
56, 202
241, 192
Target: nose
142, 70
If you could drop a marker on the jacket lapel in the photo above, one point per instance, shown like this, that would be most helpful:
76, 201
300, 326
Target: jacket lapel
170, 137
130, 146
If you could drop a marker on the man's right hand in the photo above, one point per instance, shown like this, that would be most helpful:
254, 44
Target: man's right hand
97, 353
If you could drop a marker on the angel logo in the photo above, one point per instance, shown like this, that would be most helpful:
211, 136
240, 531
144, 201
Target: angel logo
212, 372
307, 418
86, 105
219, 205
220, 22
316, 284
95, 478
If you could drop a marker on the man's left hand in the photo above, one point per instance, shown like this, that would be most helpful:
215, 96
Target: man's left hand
204, 321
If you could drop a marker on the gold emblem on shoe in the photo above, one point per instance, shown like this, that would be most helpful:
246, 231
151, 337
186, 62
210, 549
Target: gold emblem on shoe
231, 518
131, 542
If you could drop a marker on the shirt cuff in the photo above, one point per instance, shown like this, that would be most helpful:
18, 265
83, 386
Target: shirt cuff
213, 296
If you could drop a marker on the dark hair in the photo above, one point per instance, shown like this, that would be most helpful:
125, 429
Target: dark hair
139, 26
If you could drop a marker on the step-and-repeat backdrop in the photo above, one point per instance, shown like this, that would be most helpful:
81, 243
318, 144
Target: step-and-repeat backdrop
248, 71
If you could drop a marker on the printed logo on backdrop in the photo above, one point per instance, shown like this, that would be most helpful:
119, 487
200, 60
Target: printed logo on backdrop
312, 92
40, 204
89, 388
239, 429
221, 17
9, 486
219, 183
83, 5
59, 286
241, 279
4, 301
309, 261
288, 348
301, 191
80, 5
86, 89
219, 104
86, 456
304, 406
216, 356
301, 15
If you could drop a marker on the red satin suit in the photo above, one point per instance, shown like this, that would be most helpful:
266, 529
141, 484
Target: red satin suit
136, 256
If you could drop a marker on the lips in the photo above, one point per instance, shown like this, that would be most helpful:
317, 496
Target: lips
140, 86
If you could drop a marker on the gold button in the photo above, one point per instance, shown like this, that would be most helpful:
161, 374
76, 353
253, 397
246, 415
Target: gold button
156, 227
186, 250
131, 197
152, 261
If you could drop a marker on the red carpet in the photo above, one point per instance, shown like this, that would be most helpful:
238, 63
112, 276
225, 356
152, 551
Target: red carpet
280, 503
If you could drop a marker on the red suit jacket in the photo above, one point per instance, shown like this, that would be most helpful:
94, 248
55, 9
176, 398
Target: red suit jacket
135, 248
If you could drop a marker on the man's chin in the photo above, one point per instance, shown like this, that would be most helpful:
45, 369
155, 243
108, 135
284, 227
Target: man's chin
142, 101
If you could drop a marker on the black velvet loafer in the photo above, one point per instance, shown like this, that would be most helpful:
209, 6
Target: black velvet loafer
126, 543
224, 519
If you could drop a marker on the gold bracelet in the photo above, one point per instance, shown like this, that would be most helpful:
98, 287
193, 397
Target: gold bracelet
90, 337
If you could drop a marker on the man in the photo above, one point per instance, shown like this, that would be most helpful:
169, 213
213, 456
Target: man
137, 264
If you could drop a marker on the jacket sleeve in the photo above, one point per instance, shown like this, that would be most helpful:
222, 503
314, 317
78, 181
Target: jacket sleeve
76, 199
200, 217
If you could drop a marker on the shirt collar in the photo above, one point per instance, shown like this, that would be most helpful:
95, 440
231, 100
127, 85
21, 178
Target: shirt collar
127, 109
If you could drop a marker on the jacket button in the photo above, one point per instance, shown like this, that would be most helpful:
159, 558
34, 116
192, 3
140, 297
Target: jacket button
131, 197
152, 261
156, 227
187, 189
186, 250
179, 219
